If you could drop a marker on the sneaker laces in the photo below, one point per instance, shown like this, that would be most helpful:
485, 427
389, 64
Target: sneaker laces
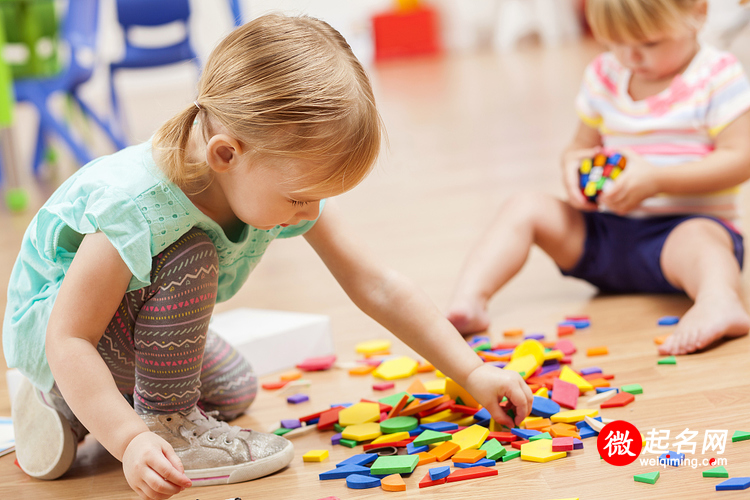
205, 422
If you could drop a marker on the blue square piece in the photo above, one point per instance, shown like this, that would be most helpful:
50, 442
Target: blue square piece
735, 483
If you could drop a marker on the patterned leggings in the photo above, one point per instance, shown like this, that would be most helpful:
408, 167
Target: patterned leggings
158, 346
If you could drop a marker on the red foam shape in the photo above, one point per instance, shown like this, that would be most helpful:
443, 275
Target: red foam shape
563, 444
426, 481
503, 437
383, 408
621, 399
395, 444
328, 418
437, 409
317, 364
471, 473
565, 394
566, 346
271, 386
383, 386
463, 409
517, 444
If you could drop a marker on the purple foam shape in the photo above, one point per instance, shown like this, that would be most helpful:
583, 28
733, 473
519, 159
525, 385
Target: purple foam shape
291, 424
577, 444
590, 370
336, 438
534, 336
297, 398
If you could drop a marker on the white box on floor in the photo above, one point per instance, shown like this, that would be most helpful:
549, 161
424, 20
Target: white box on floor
274, 340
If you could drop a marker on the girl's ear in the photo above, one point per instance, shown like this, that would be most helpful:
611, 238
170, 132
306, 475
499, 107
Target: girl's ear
701, 11
223, 152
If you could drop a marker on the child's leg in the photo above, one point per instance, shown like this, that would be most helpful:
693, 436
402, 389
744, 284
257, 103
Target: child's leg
524, 220
698, 257
228, 384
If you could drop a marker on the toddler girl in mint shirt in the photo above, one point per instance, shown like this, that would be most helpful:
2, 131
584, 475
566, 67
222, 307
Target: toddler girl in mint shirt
119, 272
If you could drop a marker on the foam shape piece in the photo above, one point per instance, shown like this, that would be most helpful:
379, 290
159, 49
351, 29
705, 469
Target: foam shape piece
398, 464
471, 473
562, 430
413, 450
669, 360
668, 320
362, 432
357, 482
568, 375
566, 347
543, 435
544, 407
371, 347
272, 386
571, 416
469, 456
524, 433
396, 368
553, 354
740, 436
436, 386
426, 458
427, 481
565, 393
425, 395
416, 406
621, 399
601, 397
291, 423
297, 398
361, 370
563, 444
736, 483
315, 456
430, 437
440, 426
329, 418
317, 364
511, 455
359, 413
530, 346
524, 365
455, 391
494, 449
597, 351
416, 387
391, 438
361, 459
540, 451
394, 482
398, 424
471, 438
383, 386
344, 471
719, 471
594, 423
483, 462
445, 450
672, 458
632, 388
440, 472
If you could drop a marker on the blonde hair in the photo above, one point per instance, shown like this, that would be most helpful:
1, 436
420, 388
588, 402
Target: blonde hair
638, 20
288, 88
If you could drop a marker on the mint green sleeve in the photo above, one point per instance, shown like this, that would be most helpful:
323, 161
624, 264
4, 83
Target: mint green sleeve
61, 226
302, 227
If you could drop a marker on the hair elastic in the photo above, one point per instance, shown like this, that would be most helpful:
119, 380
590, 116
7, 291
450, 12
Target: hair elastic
197, 105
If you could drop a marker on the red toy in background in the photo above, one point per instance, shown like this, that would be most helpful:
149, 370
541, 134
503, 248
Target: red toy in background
412, 29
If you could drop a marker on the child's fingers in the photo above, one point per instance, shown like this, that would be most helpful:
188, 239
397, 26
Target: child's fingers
499, 416
156, 487
518, 398
183, 480
168, 473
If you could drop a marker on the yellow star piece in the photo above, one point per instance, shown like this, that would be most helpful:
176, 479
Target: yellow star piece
362, 432
396, 368
373, 346
571, 416
540, 451
471, 438
569, 375
390, 438
315, 456
359, 413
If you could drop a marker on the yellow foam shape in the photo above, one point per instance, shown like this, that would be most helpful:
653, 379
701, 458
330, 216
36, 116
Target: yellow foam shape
553, 354
436, 386
455, 391
471, 438
440, 416
390, 438
439, 374
529, 346
528, 419
569, 375
362, 432
315, 456
396, 368
466, 421
373, 346
540, 451
571, 416
542, 392
359, 413
525, 365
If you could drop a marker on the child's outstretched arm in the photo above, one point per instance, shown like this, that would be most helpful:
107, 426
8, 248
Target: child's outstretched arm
394, 302
727, 166
98, 276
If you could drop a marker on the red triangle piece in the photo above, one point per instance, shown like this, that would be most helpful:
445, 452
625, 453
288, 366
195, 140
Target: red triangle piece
471, 473
622, 399
427, 481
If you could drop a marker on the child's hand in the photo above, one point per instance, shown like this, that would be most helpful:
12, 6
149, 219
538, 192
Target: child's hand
488, 384
571, 163
152, 468
635, 184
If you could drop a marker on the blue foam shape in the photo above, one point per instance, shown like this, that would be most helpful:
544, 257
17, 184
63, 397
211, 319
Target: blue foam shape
673, 460
668, 320
411, 449
478, 340
416, 432
543, 407
484, 462
587, 432
583, 423
362, 459
440, 472
426, 395
600, 390
590, 370
482, 414
441, 426
524, 433
502, 352
345, 471
345, 405
735, 483
484, 423
357, 482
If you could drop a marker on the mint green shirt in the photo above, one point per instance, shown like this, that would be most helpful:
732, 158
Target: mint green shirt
128, 198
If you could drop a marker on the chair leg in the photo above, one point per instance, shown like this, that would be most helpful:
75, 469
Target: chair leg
50, 122
118, 141
41, 146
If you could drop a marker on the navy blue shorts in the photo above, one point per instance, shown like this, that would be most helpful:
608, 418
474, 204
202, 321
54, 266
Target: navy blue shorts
622, 255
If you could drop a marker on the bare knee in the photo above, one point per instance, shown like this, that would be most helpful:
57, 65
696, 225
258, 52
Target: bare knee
526, 208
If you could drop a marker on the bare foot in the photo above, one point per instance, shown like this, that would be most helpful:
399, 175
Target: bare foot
710, 319
468, 316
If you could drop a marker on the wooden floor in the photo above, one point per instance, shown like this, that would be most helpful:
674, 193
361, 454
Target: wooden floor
464, 133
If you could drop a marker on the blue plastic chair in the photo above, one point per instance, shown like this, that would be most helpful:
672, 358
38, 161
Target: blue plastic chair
150, 13
79, 34
234, 5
